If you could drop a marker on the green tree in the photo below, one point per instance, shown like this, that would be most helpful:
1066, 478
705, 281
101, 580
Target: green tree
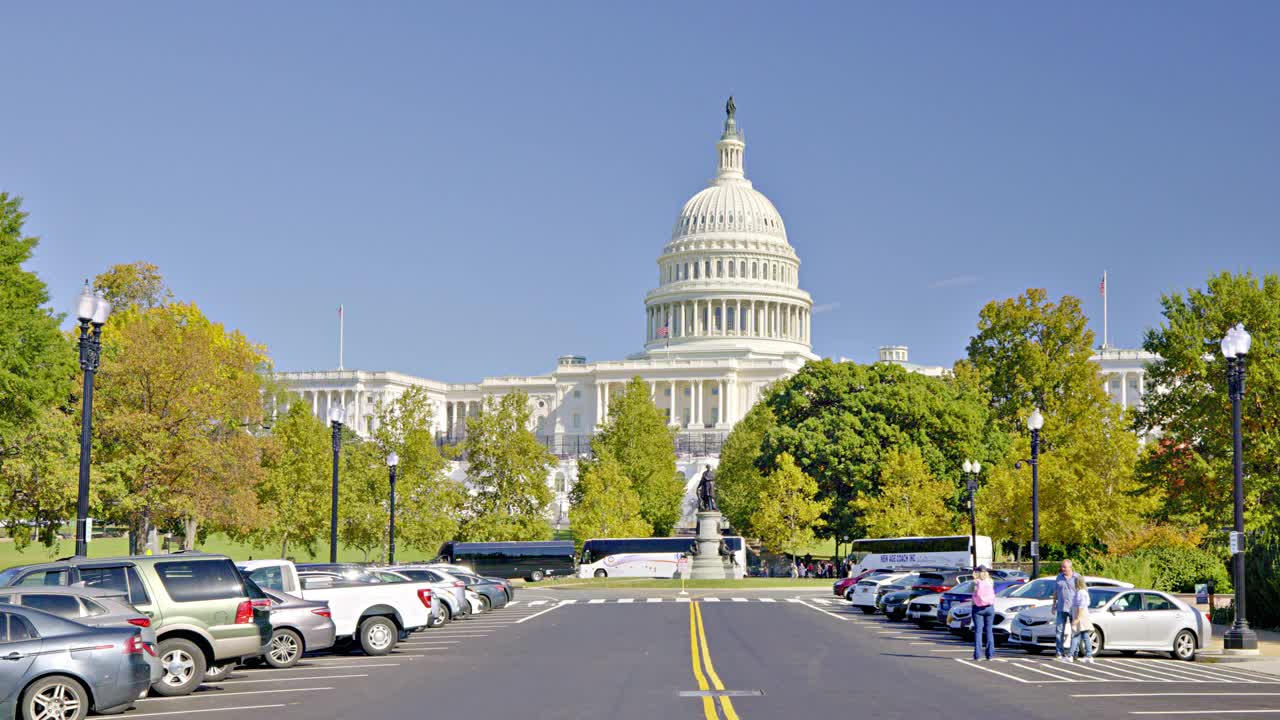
38, 484
1031, 353
36, 360
840, 420
428, 502
636, 435
1192, 460
178, 396
605, 504
137, 284
911, 499
788, 512
507, 468
738, 479
294, 490
363, 489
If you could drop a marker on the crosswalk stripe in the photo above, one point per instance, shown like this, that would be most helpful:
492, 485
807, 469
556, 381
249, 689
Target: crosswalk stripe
626, 600
596, 601
653, 599
568, 602
767, 600
711, 599
682, 599
738, 599
793, 600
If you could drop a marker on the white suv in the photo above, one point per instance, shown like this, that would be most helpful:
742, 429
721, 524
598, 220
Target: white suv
863, 593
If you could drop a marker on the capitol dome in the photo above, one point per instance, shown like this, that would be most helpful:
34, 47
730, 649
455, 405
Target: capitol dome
728, 278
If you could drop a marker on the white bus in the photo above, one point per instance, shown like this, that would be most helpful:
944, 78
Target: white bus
950, 551
647, 557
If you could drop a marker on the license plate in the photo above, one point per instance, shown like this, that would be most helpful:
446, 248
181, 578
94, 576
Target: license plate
955, 624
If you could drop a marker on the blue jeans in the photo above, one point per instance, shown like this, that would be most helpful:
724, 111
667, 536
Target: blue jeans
1063, 625
1079, 638
983, 631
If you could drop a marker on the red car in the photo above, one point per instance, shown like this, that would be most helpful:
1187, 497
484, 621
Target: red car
842, 585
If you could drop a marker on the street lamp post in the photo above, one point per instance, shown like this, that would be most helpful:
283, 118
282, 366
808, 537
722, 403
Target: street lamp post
392, 461
971, 470
337, 416
1034, 422
1235, 346
92, 311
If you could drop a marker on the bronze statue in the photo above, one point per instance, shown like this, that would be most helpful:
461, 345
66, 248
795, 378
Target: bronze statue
707, 488
730, 108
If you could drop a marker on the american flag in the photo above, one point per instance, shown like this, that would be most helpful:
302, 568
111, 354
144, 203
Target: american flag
664, 332
1102, 286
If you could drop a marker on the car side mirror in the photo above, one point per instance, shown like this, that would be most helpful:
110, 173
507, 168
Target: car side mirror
1113, 610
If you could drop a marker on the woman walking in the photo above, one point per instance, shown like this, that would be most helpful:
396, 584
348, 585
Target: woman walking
984, 596
1081, 625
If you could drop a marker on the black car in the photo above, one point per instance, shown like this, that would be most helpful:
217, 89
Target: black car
894, 604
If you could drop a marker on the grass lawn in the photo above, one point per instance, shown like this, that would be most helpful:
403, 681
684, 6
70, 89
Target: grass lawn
660, 584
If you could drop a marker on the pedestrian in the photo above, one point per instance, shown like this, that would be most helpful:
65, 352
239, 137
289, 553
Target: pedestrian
1064, 592
984, 613
1081, 625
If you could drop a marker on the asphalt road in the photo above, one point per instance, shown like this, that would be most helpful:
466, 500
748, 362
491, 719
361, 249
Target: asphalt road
732, 655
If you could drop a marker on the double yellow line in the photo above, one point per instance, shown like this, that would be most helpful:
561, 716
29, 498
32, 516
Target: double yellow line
698, 649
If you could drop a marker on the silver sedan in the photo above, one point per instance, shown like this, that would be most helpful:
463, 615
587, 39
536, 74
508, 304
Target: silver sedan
1124, 620
297, 626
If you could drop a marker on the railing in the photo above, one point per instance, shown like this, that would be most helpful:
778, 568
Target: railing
566, 446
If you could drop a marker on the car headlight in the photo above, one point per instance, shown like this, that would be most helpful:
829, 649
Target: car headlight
1019, 608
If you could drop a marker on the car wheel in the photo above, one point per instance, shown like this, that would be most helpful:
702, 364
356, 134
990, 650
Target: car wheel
1096, 639
536, 576
485, 605
601, 573
214, 673
867, 610
1033, 649
184, 667
286, 649
56, 696
1184, 646
378, 635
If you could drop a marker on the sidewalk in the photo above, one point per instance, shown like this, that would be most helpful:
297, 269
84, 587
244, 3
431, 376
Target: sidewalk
1268, 645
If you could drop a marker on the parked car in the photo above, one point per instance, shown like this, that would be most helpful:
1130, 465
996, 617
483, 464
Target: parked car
923, 609
1124, 620
448, 588
371, 615
959, 618
95, 607
963, 593
864, 593
440, 615
903, 583
297, 626
894, 604
1033, 594
204, 620
59, 668
494, 592
347, 571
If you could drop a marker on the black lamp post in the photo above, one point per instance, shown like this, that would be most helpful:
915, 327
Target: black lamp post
337, 415
392, 461
971, 470
92, 311
1235, 346
1034, 422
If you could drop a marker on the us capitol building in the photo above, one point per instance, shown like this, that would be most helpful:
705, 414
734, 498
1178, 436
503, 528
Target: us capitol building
727, 318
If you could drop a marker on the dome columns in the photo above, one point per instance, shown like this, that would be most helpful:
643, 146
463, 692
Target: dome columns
728, 317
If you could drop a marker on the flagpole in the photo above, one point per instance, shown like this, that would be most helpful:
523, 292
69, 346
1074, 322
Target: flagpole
342, 336
1104, 309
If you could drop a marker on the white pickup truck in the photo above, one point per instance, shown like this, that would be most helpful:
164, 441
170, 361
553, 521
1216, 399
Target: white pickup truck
373, 615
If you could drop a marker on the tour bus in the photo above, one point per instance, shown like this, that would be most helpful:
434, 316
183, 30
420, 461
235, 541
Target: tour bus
950, 551
532, 560
656, 557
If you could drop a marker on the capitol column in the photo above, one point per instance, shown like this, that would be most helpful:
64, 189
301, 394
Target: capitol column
674, 419
720, 404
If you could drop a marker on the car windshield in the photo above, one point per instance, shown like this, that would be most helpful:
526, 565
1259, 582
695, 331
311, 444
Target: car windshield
1010, 590
1100, 596
1041, 589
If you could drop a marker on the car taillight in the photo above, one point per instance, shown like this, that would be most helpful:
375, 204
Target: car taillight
136, 645
459, 583
425, 596
244, 613
322, 612
140, 622
264, 604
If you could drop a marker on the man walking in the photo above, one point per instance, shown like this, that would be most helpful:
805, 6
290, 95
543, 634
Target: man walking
1064, 592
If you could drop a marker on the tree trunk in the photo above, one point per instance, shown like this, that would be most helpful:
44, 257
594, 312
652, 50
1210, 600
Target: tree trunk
190, 525
284, 547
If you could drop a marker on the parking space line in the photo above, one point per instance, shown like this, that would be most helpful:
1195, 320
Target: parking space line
793, 600
1258, 677
1151, 668
1077, 672
1114, 672
972, 664
294, 679
205, 710
957, 650
560, 604
1140, 675
299, 668
513, 603
1031, 666
824, 612
536, 603
1205, 674
1205, 712
1174, 694
209, 694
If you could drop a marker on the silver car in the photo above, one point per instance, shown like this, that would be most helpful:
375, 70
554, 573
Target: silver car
1125, 620
297, 626
449, 588
95, 607
59, 668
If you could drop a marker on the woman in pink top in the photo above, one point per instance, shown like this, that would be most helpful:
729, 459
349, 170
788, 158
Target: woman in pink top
984, 595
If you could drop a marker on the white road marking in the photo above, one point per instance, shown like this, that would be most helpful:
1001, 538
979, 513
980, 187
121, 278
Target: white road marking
627, 600
710, 599
562, 603
682, 599
596, 601
567, 602
300, 668
950, 651
997, 672
794, 600
536, 603
206, 710
1173, 694
1031, 666
824, 612
1198, 712
738, 599
314, 677
649, 600
513, 603
767, 600
209, 694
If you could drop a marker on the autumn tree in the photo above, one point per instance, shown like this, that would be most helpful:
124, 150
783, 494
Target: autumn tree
507, 468
605, 505
1191, 460
911, 500
635, 434
178, 397
788, 511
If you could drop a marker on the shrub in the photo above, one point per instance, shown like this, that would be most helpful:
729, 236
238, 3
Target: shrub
1262, 580
1172, 569
1135, 569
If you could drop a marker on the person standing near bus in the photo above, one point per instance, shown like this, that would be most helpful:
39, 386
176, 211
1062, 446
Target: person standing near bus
984, 613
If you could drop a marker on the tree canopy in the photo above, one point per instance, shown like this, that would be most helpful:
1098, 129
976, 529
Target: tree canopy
605, 504
911, 500
738, 479
788, 511
508, 469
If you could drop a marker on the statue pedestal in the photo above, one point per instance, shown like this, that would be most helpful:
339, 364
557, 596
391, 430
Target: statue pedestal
707, 563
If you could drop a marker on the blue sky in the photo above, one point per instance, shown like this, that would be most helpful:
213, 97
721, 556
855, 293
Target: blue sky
485, 186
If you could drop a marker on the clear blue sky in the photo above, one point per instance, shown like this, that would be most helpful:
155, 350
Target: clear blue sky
488, 186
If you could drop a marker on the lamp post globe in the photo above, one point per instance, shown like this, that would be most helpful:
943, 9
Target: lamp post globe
337, 416
971, 469
92, 310
1240, 638
393, 460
